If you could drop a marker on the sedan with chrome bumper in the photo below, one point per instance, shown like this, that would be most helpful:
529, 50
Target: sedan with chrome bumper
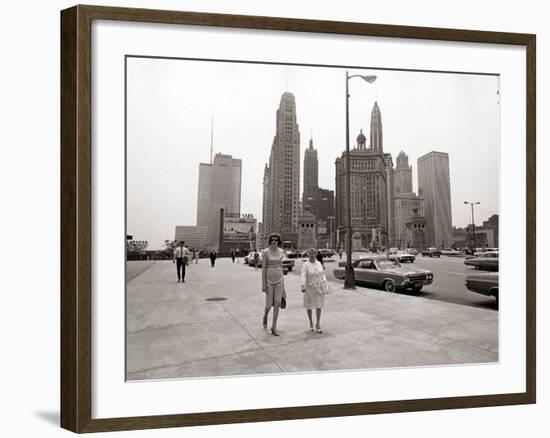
487, 260
402, 257
387, 274
485, 284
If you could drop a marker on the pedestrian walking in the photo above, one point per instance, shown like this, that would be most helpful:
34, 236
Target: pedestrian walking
181, 258
340, 253
256, 259
213, 256
273, 280
313, 276
197, 256
237, 254
233, 256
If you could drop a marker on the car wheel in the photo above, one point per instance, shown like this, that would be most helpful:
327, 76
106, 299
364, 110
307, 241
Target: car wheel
417, 289
389, 286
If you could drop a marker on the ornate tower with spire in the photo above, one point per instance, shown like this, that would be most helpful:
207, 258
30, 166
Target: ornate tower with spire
403, 174
371, 190
376, 141
311, 179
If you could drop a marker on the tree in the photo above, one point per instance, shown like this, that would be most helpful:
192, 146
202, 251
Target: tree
169, 247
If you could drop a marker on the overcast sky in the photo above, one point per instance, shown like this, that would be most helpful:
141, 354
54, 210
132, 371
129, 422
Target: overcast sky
170, 104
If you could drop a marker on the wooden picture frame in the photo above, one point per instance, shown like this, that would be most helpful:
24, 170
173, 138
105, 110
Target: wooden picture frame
76, 217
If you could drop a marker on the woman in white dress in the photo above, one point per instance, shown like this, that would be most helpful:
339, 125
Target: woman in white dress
313, 275
273, 280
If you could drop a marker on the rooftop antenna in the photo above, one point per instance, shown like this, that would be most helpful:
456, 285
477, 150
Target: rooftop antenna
211, 139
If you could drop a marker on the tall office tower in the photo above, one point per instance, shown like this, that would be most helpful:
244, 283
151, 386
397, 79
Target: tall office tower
266, 204
405, 201
390, 192
203, 198
434, 184
284, 173
310, 196
219, 187
403, 174
370, 168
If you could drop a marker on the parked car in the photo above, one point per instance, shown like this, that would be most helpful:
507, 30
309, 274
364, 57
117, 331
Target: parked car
293, 254
431, 252
479, 251
412, 251
326, 253
485, 284
288, 264
402, 256
486, 260
451, 252
379, 271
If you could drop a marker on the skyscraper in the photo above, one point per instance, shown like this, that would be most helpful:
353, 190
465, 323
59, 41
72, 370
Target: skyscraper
283, 185
434, 185
203, 197
219, 187
403, 174
370, 189
405, 201
266, 206
311, 180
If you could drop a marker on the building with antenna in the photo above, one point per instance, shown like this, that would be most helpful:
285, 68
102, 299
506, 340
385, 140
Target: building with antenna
219, 187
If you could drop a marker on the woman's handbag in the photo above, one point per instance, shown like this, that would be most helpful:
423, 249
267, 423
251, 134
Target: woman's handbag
283, 302
326, 287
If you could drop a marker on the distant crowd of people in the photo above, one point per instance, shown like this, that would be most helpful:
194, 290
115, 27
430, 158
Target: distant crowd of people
183, 257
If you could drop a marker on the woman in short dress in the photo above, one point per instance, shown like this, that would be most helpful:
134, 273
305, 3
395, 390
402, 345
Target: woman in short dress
272, 279
313, 275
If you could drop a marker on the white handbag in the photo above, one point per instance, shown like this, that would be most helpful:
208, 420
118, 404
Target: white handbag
326, 287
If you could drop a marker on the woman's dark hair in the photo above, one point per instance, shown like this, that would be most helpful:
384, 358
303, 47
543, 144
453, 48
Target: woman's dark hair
273, 236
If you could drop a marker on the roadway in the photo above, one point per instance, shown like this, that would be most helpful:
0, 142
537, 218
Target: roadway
448, 285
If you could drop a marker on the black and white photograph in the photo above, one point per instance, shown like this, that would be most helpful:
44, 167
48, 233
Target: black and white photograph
308, 218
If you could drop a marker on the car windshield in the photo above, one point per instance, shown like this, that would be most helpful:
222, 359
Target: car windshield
386, 264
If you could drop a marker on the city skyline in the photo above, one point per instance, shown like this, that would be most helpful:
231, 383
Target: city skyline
178, 128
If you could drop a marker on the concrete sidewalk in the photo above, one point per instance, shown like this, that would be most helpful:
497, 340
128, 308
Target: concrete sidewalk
174, 332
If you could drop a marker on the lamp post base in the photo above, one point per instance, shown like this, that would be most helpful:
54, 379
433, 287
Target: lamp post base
349, 278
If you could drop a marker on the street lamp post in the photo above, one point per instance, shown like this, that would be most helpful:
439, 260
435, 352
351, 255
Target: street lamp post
349, 279
330, 219
473, 222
